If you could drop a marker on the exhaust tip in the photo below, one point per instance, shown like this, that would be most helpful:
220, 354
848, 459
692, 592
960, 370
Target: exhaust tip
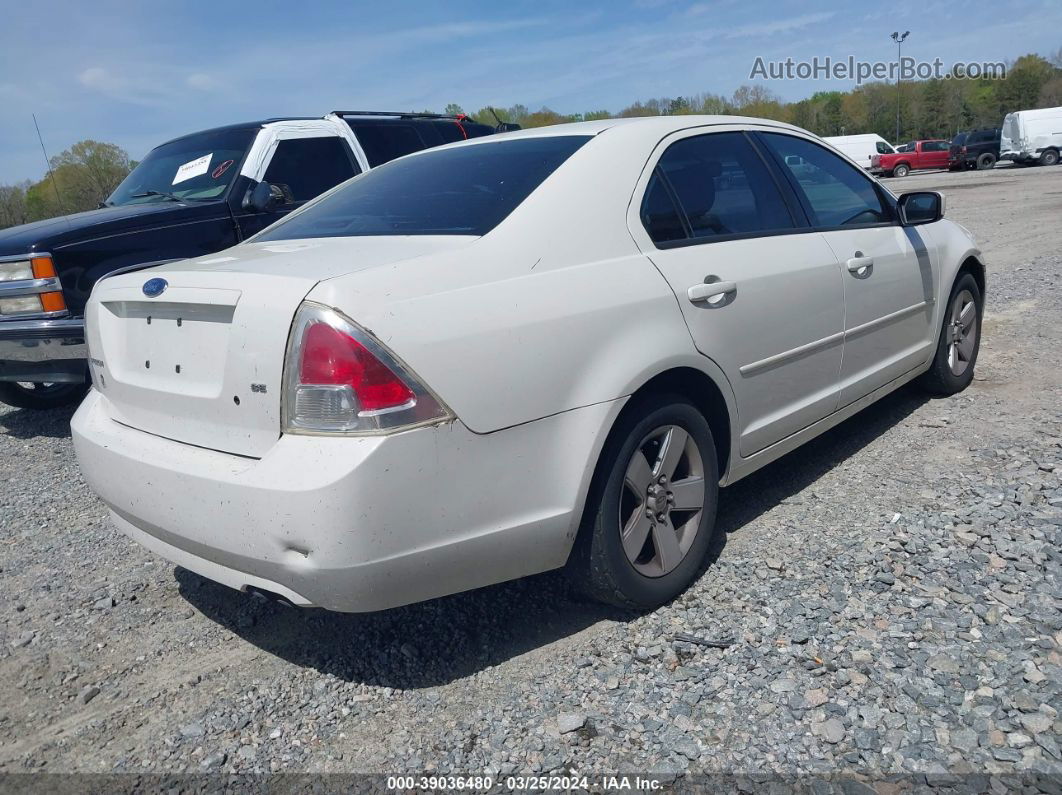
268, 596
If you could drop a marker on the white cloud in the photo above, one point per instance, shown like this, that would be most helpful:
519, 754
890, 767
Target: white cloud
100, 79
201, 82
772, 27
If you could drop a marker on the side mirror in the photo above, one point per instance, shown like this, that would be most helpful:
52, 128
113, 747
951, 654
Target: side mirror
923, 207
263, 197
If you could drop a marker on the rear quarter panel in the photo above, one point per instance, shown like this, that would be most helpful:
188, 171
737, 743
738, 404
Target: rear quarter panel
554, 309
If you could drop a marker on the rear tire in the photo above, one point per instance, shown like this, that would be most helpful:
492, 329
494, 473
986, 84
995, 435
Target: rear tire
986, 161
1049, 158
901, 170
959, 341
40, 397
650, 514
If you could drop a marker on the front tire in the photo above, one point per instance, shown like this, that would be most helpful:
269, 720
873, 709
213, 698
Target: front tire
40, 397
650, 514
959, 341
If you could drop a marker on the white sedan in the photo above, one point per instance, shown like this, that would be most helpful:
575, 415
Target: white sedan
511, 354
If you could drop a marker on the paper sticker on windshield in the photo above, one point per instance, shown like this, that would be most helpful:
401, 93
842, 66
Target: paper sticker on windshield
193, 168
217, 172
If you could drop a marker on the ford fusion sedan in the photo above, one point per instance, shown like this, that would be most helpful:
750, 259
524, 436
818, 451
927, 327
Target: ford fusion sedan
515, 354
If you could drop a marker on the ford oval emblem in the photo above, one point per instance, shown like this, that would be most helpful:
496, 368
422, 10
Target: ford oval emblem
154, 287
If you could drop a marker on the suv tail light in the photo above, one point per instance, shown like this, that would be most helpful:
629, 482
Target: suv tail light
338, 378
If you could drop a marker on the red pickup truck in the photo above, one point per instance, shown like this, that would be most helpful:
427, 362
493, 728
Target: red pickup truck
917, 155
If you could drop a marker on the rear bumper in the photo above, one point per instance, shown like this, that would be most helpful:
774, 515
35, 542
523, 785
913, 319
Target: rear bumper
352, 524
50, 350
1017, 156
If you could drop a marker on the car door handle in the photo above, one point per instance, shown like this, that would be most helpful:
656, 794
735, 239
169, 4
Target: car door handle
709, 290
860, 265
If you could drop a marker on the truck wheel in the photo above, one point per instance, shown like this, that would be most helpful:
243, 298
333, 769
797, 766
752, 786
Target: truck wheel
902, 170
1049, 157
987, 160
24, 395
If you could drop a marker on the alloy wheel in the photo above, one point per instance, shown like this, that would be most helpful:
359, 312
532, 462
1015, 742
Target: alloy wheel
662, 501
962, 332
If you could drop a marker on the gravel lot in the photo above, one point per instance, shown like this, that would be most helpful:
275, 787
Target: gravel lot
892, 591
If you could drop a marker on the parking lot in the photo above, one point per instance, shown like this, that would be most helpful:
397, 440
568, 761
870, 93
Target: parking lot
890, 593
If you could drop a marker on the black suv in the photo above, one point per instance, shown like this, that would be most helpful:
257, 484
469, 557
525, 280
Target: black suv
191, 196
974, 149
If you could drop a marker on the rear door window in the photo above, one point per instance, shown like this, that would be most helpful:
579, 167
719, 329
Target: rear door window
307, 167
660, 215
450, 131
722, 187
834, 192
385, 142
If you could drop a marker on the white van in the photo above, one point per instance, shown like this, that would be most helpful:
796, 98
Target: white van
1032, 136
861, 147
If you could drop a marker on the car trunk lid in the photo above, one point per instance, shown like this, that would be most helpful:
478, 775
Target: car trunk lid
202, 361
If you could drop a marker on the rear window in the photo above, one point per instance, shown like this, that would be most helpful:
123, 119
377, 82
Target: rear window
466, 190
959, 139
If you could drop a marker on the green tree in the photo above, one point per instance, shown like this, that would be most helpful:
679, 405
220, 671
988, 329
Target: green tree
84, 175
13, 210
1051, 93
1025, 79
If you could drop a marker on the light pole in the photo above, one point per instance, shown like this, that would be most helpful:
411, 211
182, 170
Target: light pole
896, 37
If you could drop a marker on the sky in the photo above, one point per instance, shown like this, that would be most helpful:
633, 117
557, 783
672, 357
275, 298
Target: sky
139, 73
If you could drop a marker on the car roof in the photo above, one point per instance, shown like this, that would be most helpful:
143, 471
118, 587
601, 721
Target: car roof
858, 137
651, 124
247, 125
375, 119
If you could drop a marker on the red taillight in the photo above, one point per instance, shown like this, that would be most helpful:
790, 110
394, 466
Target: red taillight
340, 379
963, 150
330, 357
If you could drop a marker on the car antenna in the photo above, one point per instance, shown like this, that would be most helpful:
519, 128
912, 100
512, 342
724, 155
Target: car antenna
501, 126
48, 165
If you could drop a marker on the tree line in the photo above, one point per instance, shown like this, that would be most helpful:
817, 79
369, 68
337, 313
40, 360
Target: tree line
937, 108
85, 174
81, 177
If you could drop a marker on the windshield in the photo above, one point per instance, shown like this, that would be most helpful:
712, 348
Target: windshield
199, 167
461, 190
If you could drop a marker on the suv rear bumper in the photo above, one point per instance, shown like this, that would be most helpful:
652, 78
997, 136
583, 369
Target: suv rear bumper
44, 350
